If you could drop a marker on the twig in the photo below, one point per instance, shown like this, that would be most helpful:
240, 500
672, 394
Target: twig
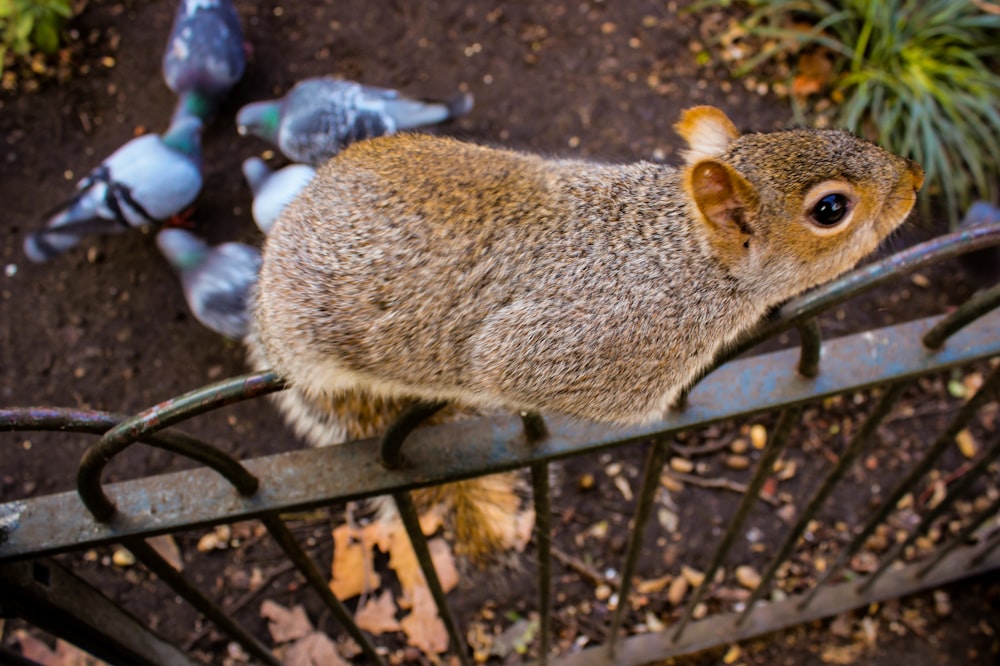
579, 566
692, 451
723, 483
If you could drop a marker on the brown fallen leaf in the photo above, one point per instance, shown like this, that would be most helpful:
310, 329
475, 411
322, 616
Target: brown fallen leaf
315, 649
403, 560
814, 71
378, 616
842, 654
423, 628
285, 624
165, 545
65, 654
353, 568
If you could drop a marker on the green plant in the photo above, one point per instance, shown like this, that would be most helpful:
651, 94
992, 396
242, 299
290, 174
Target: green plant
31, 25
918, 76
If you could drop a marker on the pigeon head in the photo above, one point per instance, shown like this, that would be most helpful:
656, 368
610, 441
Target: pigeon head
260, 119
256, 171
181, 248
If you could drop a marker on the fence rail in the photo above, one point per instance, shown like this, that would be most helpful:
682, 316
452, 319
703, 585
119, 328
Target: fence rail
226, 490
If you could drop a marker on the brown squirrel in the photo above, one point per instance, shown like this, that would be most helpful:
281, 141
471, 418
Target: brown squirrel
418, 267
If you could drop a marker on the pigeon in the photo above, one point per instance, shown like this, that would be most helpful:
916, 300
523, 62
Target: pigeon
205, 55
320, 116
982, 266
217, 280
148, 180
273, 190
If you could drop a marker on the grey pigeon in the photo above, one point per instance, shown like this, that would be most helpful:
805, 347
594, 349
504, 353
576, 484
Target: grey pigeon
983, 266
320, 116
273, 190
217, 280
148, 180
205, 55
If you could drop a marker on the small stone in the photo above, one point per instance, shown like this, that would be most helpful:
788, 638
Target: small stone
748, 577
737, 462
682, 465
677, 590
122, 557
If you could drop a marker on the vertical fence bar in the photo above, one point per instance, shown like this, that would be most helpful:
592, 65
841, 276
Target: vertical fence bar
411, 521
961, 537
776, 443
811, 344
543, 530
940, 445
307, 567
960, 489
179, 584
847, 458
644, 508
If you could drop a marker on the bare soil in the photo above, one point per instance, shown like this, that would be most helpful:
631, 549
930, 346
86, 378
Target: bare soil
106, 326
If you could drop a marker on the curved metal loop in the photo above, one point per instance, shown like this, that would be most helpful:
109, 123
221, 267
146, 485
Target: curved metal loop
158, 417
99, 422
974, 308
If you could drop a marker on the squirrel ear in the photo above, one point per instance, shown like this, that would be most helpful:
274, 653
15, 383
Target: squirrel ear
707, 130
723, 196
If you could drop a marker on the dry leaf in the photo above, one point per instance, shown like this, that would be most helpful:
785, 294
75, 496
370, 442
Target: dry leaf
403, 560
378, 616
65, 654
165, 545
842, 654
285, 624
423, 628
316, 649
353, 569
814, 70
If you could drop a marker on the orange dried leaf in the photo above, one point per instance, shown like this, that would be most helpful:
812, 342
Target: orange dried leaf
423, 628
285, 624
378, 616
316, 649
353, 569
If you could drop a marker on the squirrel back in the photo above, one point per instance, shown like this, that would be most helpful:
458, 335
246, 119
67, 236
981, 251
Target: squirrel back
417, 266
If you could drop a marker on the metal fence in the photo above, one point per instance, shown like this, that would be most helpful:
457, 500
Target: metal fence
36, 587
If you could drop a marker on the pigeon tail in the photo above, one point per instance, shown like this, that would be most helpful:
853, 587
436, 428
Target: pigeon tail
42, 246
256, 172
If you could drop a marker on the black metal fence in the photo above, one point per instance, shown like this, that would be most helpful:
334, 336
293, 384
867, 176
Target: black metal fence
37, 588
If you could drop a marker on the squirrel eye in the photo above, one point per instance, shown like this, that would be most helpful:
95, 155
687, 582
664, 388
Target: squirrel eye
831, 209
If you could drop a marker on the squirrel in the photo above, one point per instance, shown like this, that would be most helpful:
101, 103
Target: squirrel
421, 267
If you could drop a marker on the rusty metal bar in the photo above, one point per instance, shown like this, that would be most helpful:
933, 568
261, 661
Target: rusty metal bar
974, 308
99, 422
543, 536
304, 479
722, 629
960, 538
643, 509
944, 440
314, 577
49, 596
963, 486
811, 343
153, 561
992, 542
765, 468
157, 418
411, 521
847, 458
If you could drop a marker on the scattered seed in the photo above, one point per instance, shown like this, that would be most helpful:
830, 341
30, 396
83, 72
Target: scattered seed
732, 654
967, 443
737, 462
682, 465
758, 436
693, 576
920, 280
586, 481
123, 557
748, 577
677, 590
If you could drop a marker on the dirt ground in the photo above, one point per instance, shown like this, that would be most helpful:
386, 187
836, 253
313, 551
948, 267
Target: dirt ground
105, 326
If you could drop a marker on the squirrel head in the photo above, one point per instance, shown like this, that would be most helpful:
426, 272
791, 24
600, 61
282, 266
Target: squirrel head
790, 209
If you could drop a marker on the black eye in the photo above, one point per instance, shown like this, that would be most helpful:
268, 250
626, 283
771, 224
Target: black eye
831, 209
